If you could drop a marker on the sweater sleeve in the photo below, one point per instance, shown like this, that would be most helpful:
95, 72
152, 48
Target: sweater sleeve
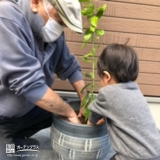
20, 71
98, 108
68, 66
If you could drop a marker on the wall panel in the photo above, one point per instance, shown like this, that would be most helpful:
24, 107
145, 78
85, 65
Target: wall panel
135, 21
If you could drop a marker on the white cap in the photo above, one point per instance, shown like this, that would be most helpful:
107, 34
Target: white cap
70, 13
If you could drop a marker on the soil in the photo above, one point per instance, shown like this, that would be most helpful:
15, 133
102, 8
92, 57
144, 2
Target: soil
82, 119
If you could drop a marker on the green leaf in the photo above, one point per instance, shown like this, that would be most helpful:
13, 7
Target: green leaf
86, 110
89, 75
99, 32
85, 99
101, 11
88, 11
87, 31
85, 59
90, 54
86, 113
94, 21
83, 44
92, 28
85, 87
86, 38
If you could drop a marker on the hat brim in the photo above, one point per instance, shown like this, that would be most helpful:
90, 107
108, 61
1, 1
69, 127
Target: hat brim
70, 25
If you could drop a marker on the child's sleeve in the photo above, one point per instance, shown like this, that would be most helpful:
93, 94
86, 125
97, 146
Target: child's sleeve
94, 118
98, 108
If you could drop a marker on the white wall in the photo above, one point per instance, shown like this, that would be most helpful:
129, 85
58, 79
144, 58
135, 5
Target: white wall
154, 104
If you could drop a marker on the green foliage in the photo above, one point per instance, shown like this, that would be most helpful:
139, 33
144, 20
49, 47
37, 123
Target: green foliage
91, 34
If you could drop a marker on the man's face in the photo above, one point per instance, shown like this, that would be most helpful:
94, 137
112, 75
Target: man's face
37, 6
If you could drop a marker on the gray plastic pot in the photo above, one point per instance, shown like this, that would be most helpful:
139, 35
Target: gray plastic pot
79, 142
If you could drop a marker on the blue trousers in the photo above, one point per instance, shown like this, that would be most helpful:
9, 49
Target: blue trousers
21, 127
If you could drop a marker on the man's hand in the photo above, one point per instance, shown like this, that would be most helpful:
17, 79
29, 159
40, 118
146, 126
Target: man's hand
54, 104
74, 119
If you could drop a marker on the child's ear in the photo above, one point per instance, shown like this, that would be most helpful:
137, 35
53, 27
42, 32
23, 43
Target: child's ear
34, 5
107, 76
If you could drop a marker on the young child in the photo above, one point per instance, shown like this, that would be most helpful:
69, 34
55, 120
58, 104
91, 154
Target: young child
132, 130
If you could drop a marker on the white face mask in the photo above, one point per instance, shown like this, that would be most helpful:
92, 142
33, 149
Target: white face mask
52, 30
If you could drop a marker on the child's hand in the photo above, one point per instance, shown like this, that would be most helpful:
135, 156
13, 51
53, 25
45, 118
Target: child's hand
101, 121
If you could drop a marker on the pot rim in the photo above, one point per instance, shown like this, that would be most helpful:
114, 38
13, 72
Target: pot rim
79, 130
74, 124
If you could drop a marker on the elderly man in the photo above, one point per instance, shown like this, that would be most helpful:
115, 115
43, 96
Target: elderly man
32, 48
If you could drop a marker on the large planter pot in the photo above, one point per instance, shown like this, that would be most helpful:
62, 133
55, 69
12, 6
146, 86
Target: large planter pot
79, 142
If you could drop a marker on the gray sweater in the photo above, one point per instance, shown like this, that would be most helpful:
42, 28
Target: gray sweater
132, 130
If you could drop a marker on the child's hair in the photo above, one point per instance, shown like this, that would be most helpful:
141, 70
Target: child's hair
120, 61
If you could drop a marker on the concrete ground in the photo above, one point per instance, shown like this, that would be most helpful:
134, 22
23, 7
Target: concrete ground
45, 149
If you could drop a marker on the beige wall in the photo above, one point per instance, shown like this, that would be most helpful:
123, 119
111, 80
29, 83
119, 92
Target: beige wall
136, 20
